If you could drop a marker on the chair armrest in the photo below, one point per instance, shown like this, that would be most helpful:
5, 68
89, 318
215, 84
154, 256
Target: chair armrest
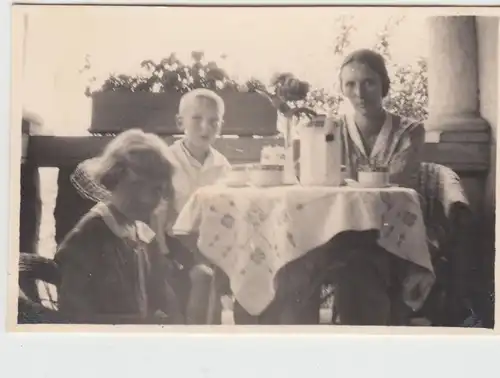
37, 267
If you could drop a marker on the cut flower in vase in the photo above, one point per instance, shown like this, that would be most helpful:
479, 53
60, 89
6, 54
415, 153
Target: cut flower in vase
373, 166
286, 90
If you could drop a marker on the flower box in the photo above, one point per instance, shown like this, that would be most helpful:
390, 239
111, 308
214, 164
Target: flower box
116, 111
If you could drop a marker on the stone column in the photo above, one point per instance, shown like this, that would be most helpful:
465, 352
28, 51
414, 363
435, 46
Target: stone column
459, 137
453, 75
456, 134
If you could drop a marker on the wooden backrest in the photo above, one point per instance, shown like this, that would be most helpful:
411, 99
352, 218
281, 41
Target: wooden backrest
60, 152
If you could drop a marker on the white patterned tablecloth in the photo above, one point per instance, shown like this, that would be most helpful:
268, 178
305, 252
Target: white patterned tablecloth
251, 233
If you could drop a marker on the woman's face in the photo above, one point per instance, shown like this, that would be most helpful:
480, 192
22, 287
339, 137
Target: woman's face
363, 87
138, 197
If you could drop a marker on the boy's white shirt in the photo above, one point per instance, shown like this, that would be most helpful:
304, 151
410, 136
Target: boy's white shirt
189, 175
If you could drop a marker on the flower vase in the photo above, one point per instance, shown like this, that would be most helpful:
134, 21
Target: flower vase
289, 176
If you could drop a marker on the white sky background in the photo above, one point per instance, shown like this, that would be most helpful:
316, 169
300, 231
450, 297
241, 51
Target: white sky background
257, 41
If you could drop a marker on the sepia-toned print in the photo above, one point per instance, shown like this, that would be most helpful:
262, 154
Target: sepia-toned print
237, 166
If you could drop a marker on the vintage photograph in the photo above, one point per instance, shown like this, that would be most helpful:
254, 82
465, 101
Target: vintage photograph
230, 166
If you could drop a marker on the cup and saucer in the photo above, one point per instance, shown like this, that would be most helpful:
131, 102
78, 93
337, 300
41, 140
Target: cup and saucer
237, 177
371, 180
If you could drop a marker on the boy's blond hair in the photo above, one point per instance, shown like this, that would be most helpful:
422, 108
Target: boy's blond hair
188, 98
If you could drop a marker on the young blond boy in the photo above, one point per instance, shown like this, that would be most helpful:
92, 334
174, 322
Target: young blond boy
196, 164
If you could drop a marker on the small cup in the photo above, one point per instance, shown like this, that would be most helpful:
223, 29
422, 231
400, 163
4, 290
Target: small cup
266, 175
373, 179
238, 175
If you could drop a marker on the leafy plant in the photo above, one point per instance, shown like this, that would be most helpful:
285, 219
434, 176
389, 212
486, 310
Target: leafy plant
409, 91
171, 74
409, 95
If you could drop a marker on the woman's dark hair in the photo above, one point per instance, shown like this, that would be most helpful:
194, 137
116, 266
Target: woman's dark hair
374, 61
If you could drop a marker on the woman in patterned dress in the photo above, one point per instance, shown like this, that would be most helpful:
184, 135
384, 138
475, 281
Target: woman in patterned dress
371, 135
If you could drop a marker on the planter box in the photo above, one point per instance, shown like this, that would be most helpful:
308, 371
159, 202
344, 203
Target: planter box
112, 112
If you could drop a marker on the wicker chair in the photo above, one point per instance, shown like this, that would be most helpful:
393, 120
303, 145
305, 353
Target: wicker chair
36, 268
450, 230
33, 311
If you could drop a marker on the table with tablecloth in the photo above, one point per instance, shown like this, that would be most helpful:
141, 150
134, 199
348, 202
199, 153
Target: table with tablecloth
253, 232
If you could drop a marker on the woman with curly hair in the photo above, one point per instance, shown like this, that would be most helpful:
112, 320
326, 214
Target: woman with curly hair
108, 273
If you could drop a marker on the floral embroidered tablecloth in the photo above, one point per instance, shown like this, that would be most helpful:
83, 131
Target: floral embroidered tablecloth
251, 233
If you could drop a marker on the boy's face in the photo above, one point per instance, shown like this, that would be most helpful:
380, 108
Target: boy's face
201, 122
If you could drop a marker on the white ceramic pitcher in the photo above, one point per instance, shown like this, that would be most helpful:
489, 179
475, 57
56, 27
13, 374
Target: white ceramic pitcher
321, 153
